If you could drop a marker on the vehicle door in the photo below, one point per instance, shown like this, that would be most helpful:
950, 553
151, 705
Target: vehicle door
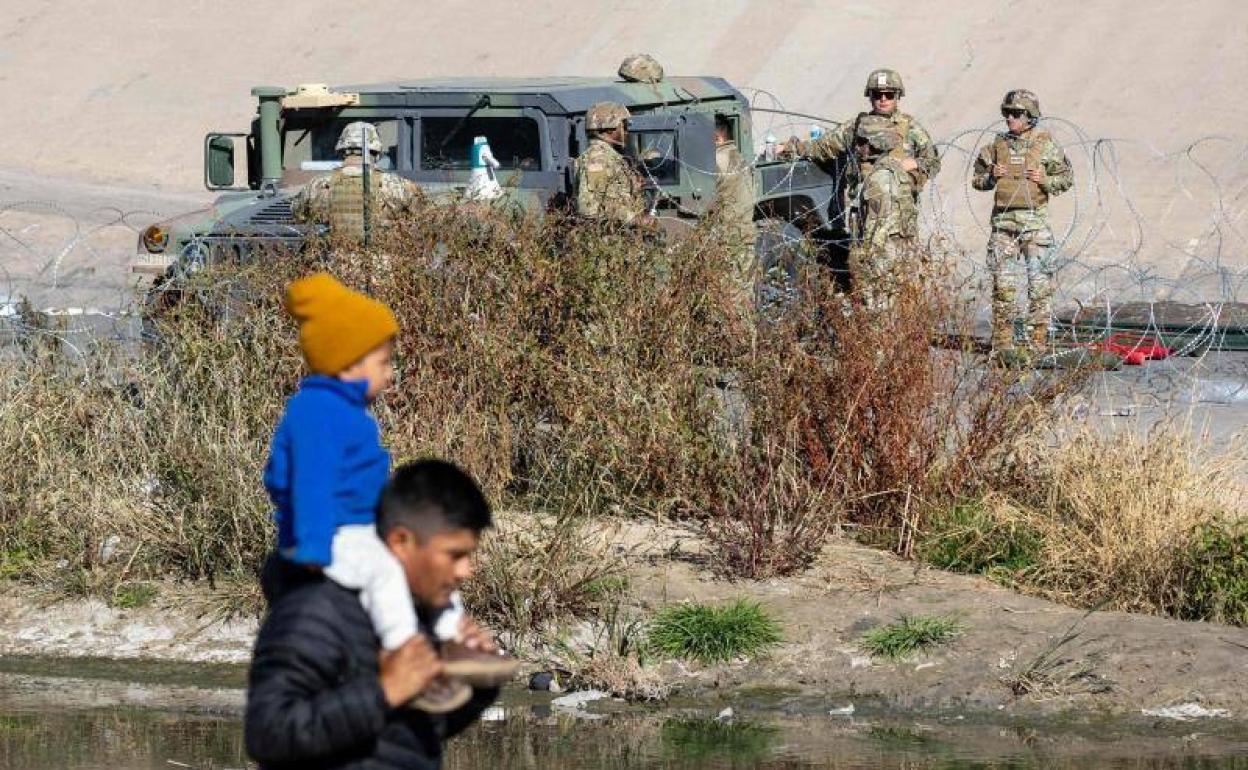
676, 156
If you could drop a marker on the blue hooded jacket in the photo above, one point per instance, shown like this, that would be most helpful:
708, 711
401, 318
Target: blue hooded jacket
326, 467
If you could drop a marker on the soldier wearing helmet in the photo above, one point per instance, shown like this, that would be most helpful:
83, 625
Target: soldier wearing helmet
337, 199
914, 152
607, 186
1023, 167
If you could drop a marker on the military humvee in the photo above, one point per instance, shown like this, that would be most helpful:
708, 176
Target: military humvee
535, 126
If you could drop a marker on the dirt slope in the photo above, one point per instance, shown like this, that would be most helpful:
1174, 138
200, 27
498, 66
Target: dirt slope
124, 91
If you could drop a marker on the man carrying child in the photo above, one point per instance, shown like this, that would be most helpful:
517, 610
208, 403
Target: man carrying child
356, 570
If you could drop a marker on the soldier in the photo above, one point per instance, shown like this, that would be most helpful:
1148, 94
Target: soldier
337, 199
607, 185
917, 153
735, 195
1023, 167
882, 212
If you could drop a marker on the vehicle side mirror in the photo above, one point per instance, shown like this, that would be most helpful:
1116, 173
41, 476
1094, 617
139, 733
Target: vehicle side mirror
221, 153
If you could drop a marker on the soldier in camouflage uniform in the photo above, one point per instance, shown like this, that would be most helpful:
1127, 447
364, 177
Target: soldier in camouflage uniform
735, 195
1023, 168
607, 185
915, 153
337, 199
882, 213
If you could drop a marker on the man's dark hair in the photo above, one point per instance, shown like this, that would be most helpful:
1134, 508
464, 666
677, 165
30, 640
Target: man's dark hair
431, 496
723, 124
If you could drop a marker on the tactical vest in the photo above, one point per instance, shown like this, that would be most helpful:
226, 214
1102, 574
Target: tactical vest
902, 151
346, 204
1014, 190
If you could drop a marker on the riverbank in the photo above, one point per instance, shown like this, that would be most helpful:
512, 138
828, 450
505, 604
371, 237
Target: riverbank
1015, 655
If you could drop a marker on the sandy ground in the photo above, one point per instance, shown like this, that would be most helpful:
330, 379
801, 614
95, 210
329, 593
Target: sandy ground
1117, 663
1138, 91
68, 243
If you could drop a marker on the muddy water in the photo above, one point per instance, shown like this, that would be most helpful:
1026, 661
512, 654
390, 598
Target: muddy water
94, 714
534, 737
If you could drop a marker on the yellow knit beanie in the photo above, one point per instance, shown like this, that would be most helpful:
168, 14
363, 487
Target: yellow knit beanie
337, 326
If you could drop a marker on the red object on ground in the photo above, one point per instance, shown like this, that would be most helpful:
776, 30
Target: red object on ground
1134, 349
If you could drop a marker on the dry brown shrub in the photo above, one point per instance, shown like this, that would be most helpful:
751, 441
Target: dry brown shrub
1118, 512
900, 415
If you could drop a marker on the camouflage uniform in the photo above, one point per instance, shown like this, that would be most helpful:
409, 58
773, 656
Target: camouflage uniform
916, 143
1021, 237
882, 223
607, 186
337, 200
883, 219
735, 195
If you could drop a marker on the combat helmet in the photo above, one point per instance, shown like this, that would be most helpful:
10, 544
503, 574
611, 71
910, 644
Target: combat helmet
1022, 99
356, 136
879, 132
884, 79
641, 68
604, 116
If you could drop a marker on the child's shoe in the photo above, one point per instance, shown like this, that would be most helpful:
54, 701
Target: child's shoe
442, 696
476, 667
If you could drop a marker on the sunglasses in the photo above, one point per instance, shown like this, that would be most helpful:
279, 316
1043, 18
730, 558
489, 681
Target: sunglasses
890, 95
1013, 113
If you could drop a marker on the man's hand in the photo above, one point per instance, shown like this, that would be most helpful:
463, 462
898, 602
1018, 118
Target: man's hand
407, 671
474, 637
998, 170
1035, 175
909, 164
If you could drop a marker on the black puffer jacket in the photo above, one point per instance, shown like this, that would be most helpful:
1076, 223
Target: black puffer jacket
314, 700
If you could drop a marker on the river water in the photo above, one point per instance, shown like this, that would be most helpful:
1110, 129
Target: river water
534, 736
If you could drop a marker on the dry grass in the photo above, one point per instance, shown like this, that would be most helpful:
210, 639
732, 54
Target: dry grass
129, 467
586, 373
535, 572
1118, 513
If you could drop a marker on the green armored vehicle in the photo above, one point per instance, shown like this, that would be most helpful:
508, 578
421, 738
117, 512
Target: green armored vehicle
535, 126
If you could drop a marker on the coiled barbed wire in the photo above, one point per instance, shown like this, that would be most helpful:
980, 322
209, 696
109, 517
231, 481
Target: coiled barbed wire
1188, 244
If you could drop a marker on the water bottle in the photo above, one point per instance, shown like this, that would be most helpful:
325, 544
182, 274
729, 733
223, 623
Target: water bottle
769, 147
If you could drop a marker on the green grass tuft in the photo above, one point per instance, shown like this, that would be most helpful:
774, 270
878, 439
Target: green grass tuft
910, 634
713, 634
1216, 580
968, 538
130, 596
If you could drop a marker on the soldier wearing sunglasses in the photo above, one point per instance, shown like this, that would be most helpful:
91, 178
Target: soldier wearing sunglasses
913, 149
1023, 167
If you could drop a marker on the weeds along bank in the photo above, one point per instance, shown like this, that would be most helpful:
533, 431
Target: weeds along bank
583, 373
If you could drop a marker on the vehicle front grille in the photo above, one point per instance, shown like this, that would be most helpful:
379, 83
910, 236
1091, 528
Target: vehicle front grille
276, 213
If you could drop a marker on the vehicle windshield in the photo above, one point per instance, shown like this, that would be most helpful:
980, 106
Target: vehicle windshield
514, 141
309, 145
